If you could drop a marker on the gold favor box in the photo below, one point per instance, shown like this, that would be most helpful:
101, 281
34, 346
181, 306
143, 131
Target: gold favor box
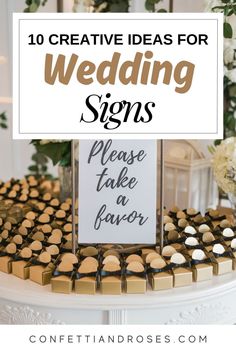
135, 284
182, 277
202, 271
86, 285
6, 264
111, 285
21, 269
222, 265
41, 274
161, 281
62, 284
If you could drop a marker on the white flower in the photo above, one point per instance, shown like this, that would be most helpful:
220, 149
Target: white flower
209, 4
231, 75
230, 42
44, 142
224, 165
233, 104
228, 55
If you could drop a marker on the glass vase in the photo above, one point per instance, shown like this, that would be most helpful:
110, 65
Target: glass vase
65, 180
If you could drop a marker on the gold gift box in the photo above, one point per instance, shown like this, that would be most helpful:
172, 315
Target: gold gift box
222, 265
6, 264
202, 271
86, 285
62, 283
182, 273
111, 285
135, 284
182, 276
41, 274
161, 281
20, 268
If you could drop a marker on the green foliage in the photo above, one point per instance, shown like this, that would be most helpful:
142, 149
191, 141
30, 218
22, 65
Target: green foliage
228, 31
58, 152
39, 167
112, 5
150, 5
118, 6
3, 120
228, 8
33, 5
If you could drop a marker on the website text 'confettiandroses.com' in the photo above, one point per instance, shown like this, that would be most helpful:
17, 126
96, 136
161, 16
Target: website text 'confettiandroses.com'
104, 338
117, 339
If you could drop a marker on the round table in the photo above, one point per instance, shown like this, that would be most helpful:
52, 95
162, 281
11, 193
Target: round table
209, 302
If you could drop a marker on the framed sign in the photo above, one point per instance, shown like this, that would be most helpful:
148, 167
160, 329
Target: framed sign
117, 191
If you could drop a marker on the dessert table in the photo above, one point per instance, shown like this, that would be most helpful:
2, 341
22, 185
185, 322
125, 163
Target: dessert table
209, 302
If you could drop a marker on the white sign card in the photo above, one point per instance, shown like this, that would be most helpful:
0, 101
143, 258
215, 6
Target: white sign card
117, 191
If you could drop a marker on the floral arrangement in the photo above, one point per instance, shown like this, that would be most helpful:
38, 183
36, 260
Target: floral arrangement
228, 7
92, 5
117, 5
100, 5
224, 165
